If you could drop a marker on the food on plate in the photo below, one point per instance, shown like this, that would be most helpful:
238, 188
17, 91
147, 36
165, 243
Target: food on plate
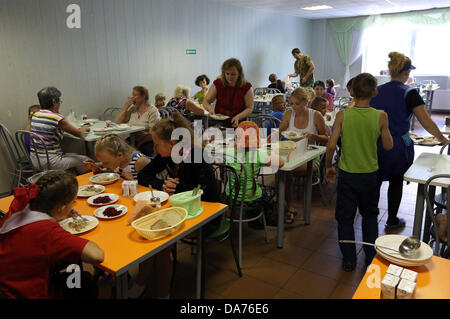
77, 224
102, 200
415, 136
220, 116
103, 179
89, 190
291, 134
111, 212
431, 140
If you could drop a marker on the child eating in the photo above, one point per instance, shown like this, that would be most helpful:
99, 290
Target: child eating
32, 242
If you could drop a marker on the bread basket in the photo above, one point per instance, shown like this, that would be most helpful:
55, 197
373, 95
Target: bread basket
174, 216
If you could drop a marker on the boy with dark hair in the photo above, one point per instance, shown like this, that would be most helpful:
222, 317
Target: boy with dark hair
359, 127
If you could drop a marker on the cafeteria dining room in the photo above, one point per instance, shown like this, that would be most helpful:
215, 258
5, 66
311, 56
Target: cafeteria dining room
224, 149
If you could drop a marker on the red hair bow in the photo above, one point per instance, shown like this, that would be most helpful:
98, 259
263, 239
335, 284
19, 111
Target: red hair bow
22, 196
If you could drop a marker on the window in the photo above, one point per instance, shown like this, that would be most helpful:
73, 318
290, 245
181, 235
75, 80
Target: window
424, 44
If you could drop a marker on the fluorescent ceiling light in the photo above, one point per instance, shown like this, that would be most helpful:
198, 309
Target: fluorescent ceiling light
313, 8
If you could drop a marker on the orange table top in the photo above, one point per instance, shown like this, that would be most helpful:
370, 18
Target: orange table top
433, 280
122, 245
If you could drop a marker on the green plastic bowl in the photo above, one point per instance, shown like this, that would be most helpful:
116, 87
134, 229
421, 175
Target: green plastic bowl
187, 201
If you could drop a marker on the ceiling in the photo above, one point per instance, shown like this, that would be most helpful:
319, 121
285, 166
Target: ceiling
341, 8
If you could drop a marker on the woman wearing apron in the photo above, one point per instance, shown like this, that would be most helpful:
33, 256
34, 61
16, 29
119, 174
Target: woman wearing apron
400, 102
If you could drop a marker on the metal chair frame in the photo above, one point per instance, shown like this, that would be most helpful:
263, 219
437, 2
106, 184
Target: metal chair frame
36, 142
108, 113
429, 192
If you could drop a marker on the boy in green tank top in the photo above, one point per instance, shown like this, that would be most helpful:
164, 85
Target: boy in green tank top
359, 127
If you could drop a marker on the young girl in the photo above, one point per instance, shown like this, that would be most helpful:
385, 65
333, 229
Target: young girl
304, 121
180, 177
32, 242
319, 90
330, 88
114, 153
160, 100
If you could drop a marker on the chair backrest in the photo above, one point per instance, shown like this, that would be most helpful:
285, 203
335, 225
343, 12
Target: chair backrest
227, 178
11, 147
430, 211
172, 110
163, 113
36, 143
446, 144
262, 120
110, 113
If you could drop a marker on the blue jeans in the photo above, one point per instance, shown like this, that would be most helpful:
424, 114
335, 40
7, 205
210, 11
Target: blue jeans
357, 191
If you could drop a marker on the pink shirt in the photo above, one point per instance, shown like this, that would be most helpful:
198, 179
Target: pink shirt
329, 98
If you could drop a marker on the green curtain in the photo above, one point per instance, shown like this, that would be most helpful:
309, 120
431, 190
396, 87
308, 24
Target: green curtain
343, 28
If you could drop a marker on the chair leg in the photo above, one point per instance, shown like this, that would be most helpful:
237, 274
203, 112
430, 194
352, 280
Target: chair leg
238, 265
266, 235
174, 268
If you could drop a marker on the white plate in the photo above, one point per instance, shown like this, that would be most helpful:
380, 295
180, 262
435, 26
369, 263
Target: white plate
92, 223
121, 127
220, 117
97, 179
401, 262
114, 198
103, 130
393, 241
297, 136
99, 211
98, 190
145, 196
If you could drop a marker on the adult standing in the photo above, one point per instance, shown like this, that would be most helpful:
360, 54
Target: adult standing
304, 67
232, 94
138, 111
400, 102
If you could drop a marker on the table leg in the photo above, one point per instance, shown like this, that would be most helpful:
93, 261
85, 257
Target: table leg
418, 216
122, 286
281, 189
427, 225
200, 265
307, 194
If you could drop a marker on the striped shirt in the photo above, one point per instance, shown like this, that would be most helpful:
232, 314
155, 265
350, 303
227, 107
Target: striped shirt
131, 168
45, 123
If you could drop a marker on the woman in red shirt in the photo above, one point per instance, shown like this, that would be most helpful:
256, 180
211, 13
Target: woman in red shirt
232, 94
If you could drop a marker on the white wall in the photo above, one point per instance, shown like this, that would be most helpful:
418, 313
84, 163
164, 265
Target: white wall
123, 43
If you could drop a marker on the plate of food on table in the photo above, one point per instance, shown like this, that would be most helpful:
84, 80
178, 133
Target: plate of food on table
110, 211
90, 190
104, 178
79, 225
103, 199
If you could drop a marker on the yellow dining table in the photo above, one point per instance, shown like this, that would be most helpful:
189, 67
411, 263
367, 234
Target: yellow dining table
124, 247
433, 279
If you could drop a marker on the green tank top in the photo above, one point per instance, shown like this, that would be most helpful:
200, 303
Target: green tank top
359, 135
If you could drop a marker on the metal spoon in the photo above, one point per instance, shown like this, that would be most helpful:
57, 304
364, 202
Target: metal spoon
75, 214
407, 248
153, 198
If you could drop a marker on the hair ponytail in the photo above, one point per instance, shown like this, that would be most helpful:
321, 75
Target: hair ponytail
397, 62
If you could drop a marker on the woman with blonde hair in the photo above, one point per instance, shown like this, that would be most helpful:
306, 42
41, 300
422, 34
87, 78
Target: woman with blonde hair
400, 102
183, 103
310, 123
138, 111
232, 94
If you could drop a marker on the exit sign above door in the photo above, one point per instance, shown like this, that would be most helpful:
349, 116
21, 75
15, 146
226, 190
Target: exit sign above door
191, 51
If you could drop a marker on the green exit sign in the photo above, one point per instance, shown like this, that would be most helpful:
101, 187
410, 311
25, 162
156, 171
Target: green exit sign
191, 51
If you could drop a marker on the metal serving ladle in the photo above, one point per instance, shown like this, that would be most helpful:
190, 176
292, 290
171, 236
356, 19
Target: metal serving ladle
408, 247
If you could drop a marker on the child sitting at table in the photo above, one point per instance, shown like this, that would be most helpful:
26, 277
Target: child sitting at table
160, 100
114, 153
360, 127
32, 243
330, 88
31, 110
247, 152
278, 108
305, 121
320, 105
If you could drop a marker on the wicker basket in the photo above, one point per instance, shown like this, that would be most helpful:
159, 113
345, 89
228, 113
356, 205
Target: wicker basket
174, 216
